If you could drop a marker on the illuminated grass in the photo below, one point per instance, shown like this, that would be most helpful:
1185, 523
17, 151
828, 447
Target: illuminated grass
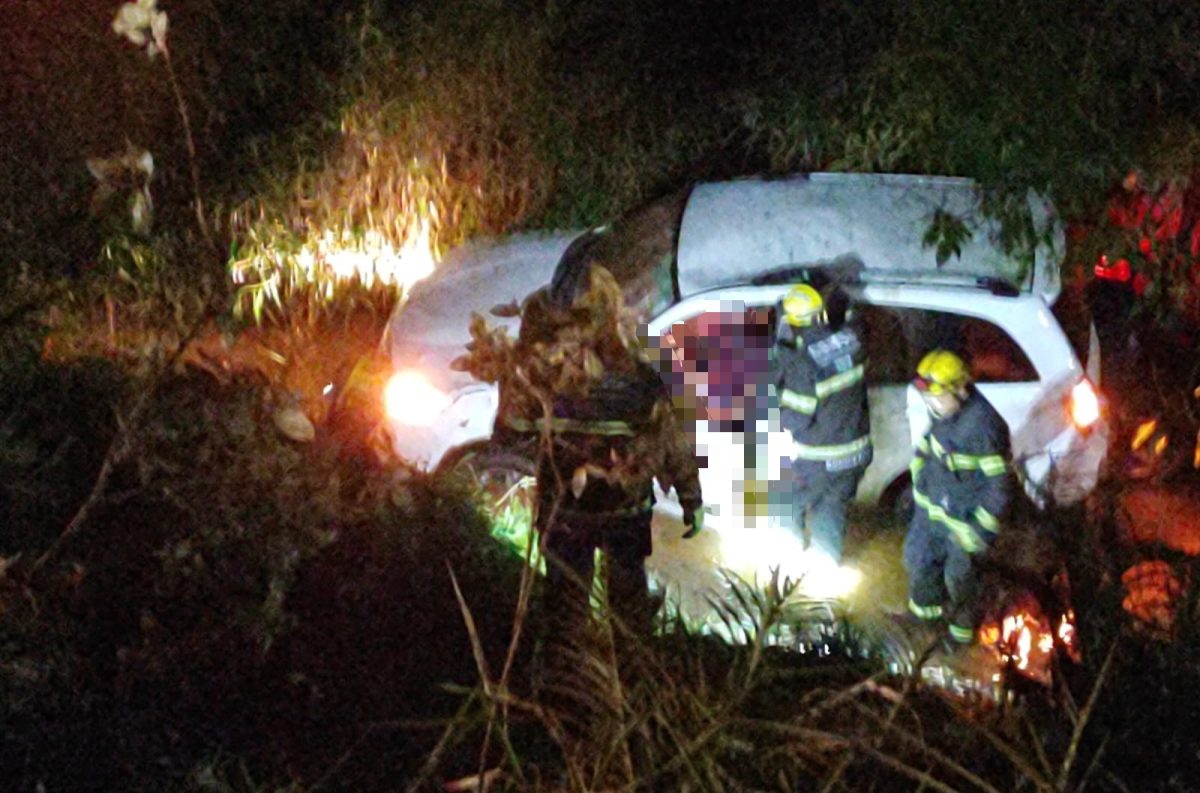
511, 521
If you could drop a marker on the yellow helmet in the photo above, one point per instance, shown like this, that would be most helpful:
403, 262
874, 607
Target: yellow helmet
941, 372
803, 305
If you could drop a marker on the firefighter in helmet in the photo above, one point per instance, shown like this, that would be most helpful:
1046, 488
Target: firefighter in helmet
961, 488
824, 406
604, 437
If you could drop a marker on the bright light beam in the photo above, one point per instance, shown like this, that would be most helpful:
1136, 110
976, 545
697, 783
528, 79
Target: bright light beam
754, 553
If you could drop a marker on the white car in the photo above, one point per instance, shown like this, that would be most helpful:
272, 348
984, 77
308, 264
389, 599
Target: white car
709, 265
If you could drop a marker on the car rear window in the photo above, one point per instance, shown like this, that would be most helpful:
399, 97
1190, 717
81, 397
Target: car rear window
640, 252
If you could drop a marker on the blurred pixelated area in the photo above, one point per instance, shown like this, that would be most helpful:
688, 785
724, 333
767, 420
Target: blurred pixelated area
723, 360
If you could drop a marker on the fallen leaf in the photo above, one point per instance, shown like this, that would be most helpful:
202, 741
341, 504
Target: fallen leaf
294, 424
579, 481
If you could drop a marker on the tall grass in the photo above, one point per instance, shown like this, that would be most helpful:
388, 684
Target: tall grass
682, 712
437, 140
240, 612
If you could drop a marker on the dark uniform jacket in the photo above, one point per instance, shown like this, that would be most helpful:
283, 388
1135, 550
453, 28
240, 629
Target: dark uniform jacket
597, 429
823, 394
961, 476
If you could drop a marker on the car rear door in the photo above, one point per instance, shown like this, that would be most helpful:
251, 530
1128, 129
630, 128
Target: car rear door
1021, 362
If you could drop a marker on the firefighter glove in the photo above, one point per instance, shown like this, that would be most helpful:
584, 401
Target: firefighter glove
694, 520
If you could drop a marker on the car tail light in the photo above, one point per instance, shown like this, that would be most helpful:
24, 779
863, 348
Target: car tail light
1085, 405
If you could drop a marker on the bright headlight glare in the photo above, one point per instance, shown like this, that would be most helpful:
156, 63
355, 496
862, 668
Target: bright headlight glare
754, 554
826, 579
409, 398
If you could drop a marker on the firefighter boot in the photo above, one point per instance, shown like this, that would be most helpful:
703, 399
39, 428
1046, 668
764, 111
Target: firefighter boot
913, 639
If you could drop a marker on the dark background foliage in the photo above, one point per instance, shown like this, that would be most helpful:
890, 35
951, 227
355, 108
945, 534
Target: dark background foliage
239, 612
622, 101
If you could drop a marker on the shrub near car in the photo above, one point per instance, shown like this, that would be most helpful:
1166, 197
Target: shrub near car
710, 264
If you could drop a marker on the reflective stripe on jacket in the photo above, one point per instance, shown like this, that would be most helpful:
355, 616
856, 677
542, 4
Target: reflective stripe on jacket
823, 394
579, 426
593, 430
960, 472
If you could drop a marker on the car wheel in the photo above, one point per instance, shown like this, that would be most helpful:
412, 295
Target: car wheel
505, 487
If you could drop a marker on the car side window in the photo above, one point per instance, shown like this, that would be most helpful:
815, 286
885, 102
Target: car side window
897, 339
639, 249
889, 357
993, 355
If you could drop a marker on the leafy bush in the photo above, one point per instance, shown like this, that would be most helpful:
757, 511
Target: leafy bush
225, 609
234, 595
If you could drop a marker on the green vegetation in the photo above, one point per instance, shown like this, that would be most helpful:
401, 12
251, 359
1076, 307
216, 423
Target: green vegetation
189, 601
405, 119
230, 596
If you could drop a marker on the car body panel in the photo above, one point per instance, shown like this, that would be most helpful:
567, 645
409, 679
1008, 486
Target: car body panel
732, 231
723, 228
433, 322
432, 327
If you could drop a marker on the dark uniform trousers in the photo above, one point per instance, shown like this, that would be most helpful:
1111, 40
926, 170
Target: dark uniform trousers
819, 498
572, 539
962, 485
940, 571
823, 397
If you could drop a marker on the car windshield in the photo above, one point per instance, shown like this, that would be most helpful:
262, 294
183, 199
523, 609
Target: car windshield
639, 250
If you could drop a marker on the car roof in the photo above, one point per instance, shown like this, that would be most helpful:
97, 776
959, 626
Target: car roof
738, 233
732, 232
